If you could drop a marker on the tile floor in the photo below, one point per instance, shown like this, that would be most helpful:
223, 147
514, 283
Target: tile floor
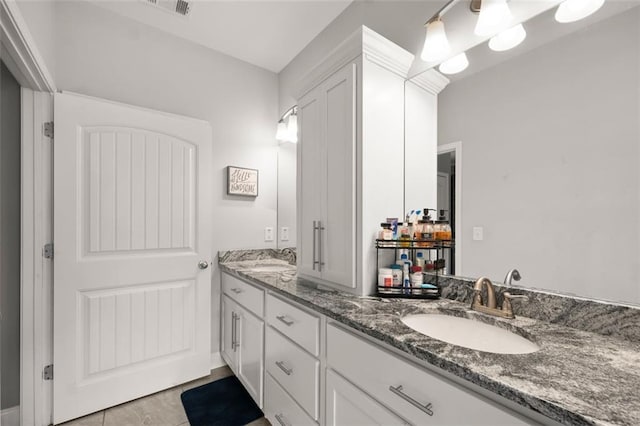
160, 409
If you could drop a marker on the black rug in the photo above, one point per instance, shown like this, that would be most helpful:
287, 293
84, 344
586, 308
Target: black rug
224, 402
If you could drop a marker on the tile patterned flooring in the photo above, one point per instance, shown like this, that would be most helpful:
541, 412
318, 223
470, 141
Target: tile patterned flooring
160, 409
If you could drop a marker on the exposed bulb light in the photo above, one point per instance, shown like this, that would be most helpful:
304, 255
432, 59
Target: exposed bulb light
508, 39
292, 128
436, 44
574, 10
282, 134
455, 65
494, 16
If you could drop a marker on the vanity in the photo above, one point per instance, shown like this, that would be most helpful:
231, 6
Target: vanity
334, 358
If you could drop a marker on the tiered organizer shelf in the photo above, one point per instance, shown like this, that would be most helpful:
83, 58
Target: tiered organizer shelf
435, 248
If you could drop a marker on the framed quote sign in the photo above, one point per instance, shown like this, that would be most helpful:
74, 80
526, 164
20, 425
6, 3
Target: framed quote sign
241, 181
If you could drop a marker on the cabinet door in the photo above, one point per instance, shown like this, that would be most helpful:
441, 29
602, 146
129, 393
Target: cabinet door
228, 332
310, 185
250, 335
338, 236
347, 405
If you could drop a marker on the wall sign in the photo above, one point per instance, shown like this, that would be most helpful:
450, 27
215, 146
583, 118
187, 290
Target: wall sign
241, 181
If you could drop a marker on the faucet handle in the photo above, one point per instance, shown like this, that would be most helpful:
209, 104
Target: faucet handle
506, 302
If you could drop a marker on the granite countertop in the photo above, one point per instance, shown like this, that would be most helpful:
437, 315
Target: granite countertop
576, 378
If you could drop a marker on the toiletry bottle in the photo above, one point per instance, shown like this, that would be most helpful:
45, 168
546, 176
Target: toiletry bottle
443, 230
416, 280
427, 229
385, 234
404, 258
396, 272
405, 235
406, 279
420, 259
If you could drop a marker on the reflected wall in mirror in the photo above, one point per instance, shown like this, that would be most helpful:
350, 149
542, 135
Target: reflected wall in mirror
551, 164
287, 154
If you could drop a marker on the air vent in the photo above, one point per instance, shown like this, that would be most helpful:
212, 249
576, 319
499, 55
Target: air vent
181, 7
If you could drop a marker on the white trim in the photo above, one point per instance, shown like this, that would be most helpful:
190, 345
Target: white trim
17, 42
457, 148
365, 41
10, 416
431, 81
36, 337
217, 361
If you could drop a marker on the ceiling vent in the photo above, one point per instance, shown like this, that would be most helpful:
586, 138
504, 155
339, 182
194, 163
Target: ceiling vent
181, 7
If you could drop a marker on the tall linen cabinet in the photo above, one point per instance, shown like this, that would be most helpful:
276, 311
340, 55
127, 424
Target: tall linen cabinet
351, 158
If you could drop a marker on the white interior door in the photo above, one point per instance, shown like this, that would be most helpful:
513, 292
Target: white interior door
132, 213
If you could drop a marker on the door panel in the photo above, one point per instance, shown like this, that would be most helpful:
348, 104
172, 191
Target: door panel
339, 206
310, 161
228, 327
250, 358
131, 223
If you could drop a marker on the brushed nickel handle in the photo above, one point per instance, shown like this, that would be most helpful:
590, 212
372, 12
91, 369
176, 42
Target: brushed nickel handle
233, 331
286, 321
282, 367
281, 419
424, 408
236, 290
315, 229
320, 262
203, 264
236, 337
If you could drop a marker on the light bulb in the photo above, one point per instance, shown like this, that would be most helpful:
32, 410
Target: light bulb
281, 133
494, 15
455, 65
436, 44
508, 39
292, 128
574, 10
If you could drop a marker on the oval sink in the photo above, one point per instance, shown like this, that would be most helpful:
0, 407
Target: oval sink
272, 268
470, 334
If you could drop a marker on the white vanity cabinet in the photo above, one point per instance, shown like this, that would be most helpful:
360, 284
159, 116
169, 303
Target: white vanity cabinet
351, 156
412, 393
243, 334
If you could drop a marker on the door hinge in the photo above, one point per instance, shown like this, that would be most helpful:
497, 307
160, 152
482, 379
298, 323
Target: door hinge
47, 251
48, 129
47, 373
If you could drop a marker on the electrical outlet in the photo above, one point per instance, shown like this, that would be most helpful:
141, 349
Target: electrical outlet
478, 233
268, 233
284, 233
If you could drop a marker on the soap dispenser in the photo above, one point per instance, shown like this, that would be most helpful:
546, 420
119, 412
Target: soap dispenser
443, 230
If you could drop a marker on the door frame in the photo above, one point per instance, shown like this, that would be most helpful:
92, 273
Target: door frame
20, 54
456, 147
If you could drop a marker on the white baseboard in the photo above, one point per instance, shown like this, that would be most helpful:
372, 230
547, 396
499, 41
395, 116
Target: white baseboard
217, 361
10, 416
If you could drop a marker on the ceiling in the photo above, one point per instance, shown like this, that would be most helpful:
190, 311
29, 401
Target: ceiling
265, 33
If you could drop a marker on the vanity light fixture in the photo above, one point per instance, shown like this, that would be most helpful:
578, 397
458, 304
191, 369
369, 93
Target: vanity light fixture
288, 126
436, 44
494, 15
574, 10
508, 39
454, 65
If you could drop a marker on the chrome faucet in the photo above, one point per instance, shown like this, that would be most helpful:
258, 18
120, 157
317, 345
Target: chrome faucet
490, 307
512, 274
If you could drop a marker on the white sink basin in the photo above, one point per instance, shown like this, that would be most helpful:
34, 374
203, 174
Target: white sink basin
470, 334
272, 268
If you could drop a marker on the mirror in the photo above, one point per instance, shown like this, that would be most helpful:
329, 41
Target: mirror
548, 172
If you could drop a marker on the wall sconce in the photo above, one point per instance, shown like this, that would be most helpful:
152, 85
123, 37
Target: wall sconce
288, 126
574, 10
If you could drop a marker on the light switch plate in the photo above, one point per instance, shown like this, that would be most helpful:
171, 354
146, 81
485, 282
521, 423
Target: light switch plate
284, 233
268, 233
478, 233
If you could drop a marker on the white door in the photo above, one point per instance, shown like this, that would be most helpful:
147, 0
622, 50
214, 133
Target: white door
132, 221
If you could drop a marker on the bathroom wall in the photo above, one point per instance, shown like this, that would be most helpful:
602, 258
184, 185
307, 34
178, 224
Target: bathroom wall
550, 163
102, 54
9, 239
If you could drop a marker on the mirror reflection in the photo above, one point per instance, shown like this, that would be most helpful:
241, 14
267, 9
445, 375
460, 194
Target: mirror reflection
547, 137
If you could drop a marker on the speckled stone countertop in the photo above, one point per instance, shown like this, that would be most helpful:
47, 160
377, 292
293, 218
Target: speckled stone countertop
576, 378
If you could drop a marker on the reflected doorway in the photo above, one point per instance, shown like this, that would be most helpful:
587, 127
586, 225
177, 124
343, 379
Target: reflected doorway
449, 200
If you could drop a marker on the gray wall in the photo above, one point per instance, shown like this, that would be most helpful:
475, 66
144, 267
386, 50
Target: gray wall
10, 239
99, 53
551, 163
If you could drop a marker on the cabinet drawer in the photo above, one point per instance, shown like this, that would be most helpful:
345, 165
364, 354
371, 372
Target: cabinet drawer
245, 294
295, 370
298, 325
280, 409
376, 371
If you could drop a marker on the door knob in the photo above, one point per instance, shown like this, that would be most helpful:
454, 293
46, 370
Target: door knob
203, 264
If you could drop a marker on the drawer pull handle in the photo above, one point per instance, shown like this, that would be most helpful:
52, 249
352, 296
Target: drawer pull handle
286, 321
398, 391
236, 290
282, 367
282, 420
